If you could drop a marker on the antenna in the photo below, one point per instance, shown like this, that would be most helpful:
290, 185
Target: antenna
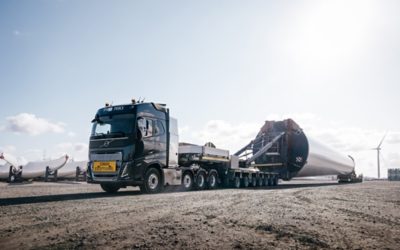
378, 152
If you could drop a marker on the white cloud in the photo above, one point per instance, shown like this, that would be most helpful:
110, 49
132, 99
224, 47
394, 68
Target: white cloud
183, 129
8, 149
226, 135
30, 124
393, 160
77, 151
393, 138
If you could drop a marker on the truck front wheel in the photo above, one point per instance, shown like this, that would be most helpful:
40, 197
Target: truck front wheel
110, 188
152, 182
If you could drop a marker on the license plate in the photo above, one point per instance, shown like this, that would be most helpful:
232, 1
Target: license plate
104, 166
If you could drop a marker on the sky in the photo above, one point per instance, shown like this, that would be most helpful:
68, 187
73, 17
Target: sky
222, 67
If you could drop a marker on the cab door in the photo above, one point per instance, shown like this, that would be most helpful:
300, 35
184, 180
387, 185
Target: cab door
145, 146
160, 141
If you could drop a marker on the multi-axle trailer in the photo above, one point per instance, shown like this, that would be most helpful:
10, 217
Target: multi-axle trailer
137, 145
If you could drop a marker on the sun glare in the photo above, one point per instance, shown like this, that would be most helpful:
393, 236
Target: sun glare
331, 33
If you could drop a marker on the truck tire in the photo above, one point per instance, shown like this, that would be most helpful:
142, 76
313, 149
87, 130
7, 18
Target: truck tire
152, 182
212, 180
245, 182
187, 181
236, 182
200, 180
275, 181
254, 182
260, 181
110, 188
269, 181
225, 182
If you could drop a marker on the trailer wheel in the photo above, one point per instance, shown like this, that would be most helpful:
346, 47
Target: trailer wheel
226, 182
275, 181
187, 181
245, 181
212, 180
269, 181
200, 180
254, 182
110, 188
152, 182
236, 182
260, 182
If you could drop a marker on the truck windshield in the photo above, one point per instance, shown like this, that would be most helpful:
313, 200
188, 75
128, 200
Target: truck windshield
119, 125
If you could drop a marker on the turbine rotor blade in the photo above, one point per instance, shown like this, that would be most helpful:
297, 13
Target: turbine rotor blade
383, 138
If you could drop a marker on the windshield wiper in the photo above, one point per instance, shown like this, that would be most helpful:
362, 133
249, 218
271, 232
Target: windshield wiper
99, 135
121, 133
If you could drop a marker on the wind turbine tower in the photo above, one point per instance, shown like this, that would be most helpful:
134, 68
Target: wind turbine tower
378, 152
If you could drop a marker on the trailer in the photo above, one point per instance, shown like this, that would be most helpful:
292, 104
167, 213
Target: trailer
207, 167
137, 144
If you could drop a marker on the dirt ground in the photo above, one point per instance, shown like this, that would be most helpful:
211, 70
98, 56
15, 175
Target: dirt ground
298, 214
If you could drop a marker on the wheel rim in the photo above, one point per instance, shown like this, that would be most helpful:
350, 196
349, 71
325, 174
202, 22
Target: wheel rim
153, 181
212, 180
200, 180
187, 181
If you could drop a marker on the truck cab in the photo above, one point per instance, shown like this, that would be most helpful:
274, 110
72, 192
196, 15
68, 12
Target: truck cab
133, 145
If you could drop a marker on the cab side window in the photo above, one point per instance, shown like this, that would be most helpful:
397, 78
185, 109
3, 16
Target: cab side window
149, 127
158, 128
145, 127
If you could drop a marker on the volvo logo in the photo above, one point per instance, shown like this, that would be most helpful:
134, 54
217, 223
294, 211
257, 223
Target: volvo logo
299, 159
107, 143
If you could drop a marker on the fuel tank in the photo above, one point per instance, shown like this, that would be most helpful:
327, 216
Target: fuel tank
297, 155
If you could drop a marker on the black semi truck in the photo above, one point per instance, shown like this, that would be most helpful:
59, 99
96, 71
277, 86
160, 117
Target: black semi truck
137, 144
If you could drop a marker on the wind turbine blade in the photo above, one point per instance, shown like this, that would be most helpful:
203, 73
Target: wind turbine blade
382, 140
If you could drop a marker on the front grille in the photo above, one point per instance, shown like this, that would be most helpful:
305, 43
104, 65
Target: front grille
117, 157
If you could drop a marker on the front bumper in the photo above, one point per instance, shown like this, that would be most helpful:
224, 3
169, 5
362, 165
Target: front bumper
126, 174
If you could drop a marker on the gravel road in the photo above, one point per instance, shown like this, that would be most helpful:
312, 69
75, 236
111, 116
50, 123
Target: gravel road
297, 214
